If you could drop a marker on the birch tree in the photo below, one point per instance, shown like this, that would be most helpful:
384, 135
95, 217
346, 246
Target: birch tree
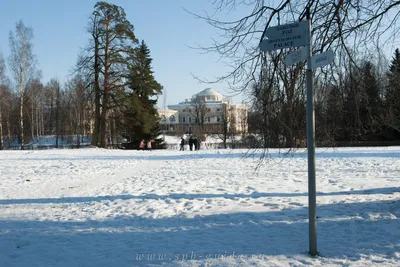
22, 65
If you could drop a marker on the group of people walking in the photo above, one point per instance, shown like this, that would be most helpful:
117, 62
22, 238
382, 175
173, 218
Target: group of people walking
194, 143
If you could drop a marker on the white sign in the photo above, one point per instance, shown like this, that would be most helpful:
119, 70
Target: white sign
283, 42
296, 57
322, 59
293, 29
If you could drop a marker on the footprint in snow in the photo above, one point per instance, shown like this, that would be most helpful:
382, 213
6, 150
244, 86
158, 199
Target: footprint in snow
150, 210
244, 203
274, 206
296, 204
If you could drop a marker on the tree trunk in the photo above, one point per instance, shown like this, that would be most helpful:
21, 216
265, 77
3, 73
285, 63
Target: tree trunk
103, 126
57, 115
51, 116
104, 118
104, 112
37, 122
32, 121
42, 122
21, 122
96, 131
8, 131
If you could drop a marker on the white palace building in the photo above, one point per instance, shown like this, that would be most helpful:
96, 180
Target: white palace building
207, 112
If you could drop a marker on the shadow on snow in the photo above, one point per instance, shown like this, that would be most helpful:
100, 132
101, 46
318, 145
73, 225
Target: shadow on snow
384, 190
281, 232
256, 154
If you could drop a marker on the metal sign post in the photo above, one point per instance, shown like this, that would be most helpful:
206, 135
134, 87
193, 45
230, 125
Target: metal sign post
294, 35
312, 199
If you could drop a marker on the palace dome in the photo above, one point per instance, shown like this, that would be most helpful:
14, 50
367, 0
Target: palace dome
210, 94
208, 91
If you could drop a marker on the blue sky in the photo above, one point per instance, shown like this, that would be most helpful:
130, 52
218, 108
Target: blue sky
59, 29
60, 34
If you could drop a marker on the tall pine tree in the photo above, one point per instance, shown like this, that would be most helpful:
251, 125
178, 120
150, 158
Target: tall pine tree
393, 92
370, 101
141, 120
334, 114
113, 40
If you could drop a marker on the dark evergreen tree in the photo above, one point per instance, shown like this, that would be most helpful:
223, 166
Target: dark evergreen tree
395, 62
370, 99
351, 106
334, 114
393, 93
141, 120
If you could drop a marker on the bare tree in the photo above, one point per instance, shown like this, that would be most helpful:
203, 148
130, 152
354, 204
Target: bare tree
22, 65
90, 66
227, 123
243, 119
77, 106
199, 111
33, 95
337, 24
58, 95
2, 81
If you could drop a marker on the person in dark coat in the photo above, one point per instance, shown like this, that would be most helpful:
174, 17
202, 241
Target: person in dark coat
182, 144
198, 143
191, 143
195, 143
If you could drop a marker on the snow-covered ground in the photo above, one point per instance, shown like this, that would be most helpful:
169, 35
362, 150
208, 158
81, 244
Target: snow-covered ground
95, 207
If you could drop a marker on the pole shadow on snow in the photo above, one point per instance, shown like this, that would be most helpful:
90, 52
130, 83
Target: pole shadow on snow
134, 241
64, 200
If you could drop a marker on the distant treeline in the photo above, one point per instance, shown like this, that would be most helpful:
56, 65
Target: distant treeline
357, 102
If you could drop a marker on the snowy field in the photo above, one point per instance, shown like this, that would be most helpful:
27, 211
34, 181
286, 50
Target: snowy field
95, 207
